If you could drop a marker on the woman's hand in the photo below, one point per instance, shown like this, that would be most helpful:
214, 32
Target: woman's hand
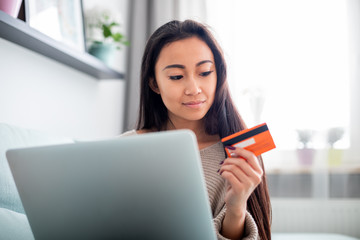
243, 174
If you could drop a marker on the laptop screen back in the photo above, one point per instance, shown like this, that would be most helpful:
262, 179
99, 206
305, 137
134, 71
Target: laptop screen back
148, 186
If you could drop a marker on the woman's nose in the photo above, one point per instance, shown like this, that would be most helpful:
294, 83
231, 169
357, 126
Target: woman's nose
192, 88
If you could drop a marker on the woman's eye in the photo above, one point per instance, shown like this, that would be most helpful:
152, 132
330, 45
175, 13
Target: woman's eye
204, 74
176, 77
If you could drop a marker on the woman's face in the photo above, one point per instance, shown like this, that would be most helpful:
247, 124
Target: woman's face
186, 79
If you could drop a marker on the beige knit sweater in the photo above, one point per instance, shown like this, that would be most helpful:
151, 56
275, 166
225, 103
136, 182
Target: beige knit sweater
211, 158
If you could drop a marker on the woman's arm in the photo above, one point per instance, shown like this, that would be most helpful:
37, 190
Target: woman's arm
243, 173
233, 225
250, 229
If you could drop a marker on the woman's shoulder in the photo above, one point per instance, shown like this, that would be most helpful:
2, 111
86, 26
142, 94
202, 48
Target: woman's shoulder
128, 133
135, 132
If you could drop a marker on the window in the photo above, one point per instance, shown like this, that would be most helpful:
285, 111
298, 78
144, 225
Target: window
288, 65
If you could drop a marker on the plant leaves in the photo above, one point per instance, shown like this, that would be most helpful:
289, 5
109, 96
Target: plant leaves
117, 37
106, 31
113, 24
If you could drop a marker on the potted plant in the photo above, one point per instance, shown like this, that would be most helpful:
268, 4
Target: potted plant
335, 155
104, 35
305, 152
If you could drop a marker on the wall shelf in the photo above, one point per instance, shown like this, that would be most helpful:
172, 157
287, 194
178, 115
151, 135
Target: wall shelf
17, 31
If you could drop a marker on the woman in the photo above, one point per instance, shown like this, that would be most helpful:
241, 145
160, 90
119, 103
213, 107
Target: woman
183, 86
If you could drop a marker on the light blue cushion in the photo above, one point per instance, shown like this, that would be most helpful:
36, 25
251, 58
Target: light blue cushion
16, 137
310, 236
14, 226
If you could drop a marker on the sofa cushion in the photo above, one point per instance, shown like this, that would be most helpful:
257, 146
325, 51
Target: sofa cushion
17, 137
14, 226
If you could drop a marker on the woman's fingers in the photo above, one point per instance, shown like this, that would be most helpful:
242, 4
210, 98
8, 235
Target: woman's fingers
248, 156
241, 170
233, 181
243, 174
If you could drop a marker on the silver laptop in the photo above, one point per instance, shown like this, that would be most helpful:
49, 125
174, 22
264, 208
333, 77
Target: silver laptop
148, 186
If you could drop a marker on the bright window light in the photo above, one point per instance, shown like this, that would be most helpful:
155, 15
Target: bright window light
287, 65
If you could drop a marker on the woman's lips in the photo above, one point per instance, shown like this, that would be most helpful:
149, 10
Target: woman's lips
194, 104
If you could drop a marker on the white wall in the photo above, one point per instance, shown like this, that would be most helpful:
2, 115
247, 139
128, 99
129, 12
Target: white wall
39, 93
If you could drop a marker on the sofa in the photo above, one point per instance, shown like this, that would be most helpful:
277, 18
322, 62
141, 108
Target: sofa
13, 221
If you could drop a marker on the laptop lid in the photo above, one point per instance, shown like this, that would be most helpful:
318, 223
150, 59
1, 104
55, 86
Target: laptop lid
148, 186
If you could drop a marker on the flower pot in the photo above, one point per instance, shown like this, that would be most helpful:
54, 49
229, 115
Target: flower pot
306, 156
11, 7
335, 156
103, 51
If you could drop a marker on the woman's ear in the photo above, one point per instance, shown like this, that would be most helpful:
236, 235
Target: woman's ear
153, 85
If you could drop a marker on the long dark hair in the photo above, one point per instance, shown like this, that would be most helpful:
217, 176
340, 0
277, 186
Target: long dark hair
222, 118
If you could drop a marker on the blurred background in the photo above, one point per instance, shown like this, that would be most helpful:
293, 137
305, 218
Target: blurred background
294, 64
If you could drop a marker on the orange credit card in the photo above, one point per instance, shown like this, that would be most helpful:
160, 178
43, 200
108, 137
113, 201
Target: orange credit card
257, 140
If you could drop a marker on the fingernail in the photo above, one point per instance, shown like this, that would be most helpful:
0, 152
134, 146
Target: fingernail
218, 170
230, 147
221, 162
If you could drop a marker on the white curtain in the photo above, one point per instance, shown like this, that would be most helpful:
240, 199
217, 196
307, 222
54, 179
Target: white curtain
163, 11
354, 33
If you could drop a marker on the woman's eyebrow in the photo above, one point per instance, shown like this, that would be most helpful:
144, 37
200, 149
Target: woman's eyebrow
174, 66
202, 62
183, 67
